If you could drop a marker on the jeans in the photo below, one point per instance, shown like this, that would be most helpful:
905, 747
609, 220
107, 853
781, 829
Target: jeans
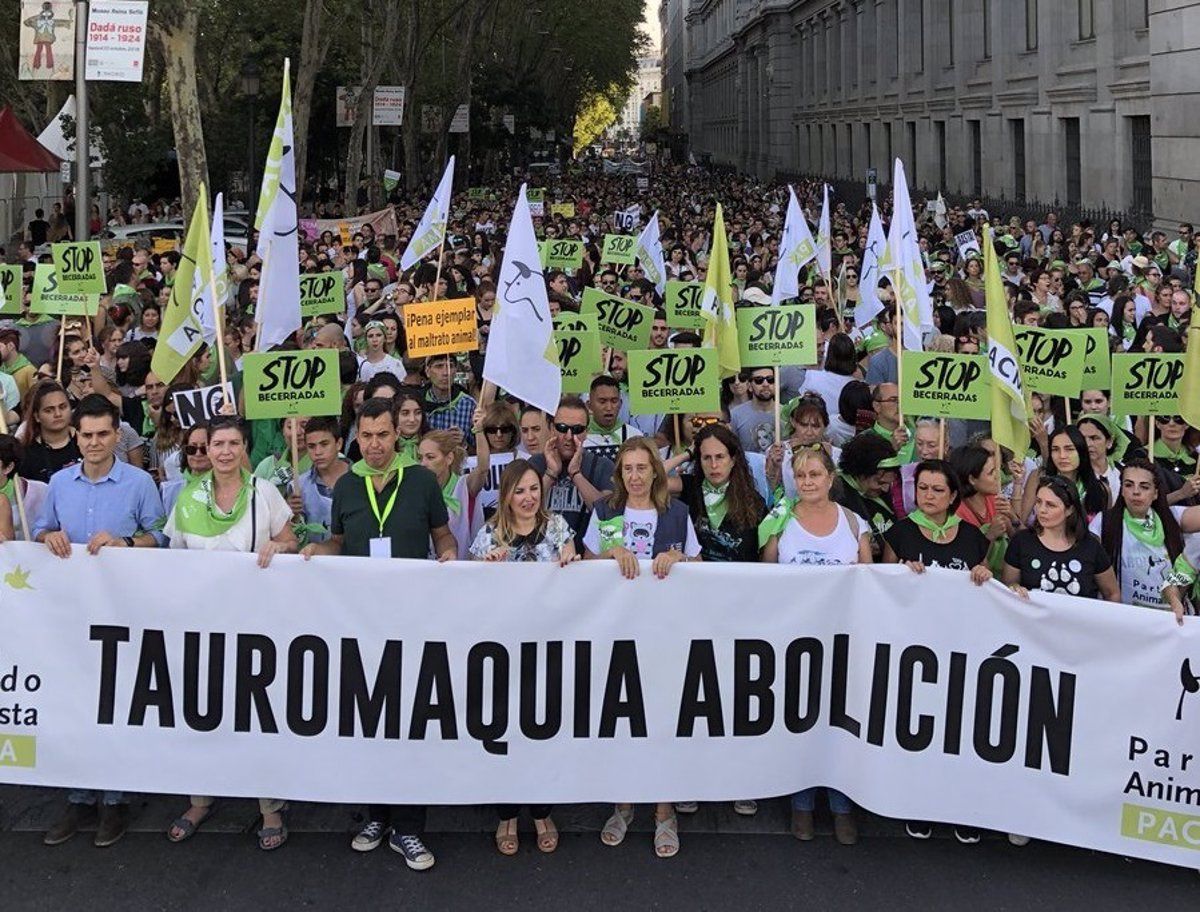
511, 811
87, 796
806, 798
404, 819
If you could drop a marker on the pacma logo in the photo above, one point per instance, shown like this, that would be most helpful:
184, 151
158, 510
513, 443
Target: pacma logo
1190, 684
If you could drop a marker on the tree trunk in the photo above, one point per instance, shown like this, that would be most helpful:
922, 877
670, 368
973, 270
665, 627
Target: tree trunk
177, 41
314, 47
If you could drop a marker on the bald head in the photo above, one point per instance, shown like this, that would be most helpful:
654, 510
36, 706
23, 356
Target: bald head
329, 336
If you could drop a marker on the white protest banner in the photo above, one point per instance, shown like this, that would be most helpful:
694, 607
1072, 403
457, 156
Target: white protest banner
116, 40
1059, 718
196, 405
968, 244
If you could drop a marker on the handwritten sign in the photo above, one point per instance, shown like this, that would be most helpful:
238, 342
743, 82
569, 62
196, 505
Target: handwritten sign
682, 304
282, 384
944, 385
674, 381
1146, 384
618, 249
79, 267
322, 293
622, 324
1051, 359
774, 336
440, 327
579, 358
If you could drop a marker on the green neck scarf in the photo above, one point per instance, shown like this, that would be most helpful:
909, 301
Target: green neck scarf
452, 503
939, 532
407, 447
196, 510
607, 433
1148, 531
362, 470
18, 363
437, 406
1182, 456
776, 521
879, 501
9, 491
714, 502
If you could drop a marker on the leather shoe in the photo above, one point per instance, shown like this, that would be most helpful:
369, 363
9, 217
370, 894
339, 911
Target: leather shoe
845, 829
802, 825
114, 819
75, 816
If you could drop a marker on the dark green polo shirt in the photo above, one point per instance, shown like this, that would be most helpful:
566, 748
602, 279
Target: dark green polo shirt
419, 508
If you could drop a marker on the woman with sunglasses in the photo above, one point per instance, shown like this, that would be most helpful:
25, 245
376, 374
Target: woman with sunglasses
1176, 459
1144, 538
1068, 458
495, 430
227, 509
641, 521
1058, 553
195, 463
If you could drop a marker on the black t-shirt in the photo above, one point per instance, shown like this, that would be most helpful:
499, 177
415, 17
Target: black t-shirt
39, 231
967, 551
1072, 572
40, 461
419, 509
565, 498
728, 543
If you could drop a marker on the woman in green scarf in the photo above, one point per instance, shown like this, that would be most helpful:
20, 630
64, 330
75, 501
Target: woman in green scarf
411, 425
229, 510
443, 455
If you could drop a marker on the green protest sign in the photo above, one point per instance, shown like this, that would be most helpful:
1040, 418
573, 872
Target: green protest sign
536, 194
622, 324
79, 268
674, 381
1097, 359
579, 358
774, 336
322, 293
477, 193
683, 304
944, 385
1051, 359
618, 249
1146, 384
576, 322
282, 384
11, 289
563, 254
48, 298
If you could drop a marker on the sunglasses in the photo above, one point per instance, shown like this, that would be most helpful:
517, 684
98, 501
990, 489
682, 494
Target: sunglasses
1171, 419
569, 428
196, 449
499, 429
703, 421
759, 381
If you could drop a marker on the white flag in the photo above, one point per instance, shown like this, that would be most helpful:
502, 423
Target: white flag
907, 268
217, 288
278, 312
796, 248
521, 355
431, 230
650, 254
939, 212
824, 239
869, 304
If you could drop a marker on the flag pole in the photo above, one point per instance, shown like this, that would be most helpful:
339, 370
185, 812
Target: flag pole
219, 324
62, 345
296, 456
837, 306
941, 438
898, 330
1150, 445
778, 438
262, 274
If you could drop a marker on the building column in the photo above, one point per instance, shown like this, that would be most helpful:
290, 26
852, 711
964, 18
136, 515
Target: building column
1175, 126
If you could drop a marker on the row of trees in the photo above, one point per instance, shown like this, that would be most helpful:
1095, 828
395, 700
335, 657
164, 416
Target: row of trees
543, 61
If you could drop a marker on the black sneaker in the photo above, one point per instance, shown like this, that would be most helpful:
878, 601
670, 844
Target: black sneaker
918, 829
967, 835
370, 837
416, 856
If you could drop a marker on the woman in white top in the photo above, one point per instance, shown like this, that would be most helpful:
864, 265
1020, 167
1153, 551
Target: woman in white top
839, 368
443, 455
813, 530
376, 360
32, 492
228, 509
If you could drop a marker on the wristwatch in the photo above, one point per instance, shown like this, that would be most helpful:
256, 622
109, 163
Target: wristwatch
129, 542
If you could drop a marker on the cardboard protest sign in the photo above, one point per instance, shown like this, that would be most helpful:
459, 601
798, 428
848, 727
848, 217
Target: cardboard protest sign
440, 327
563, 254
164, 245
282, 384
968, 244
774, 336
196, 405
566, 210
1146, 384
624, 325
618, 249
11, 290
674, 381
579, 358
682, 304
576, 322
945, 385
79, 267
48, 298
1051, 359
322, 293
536, 198
1097, 359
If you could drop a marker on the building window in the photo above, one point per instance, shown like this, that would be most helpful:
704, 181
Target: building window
1141, 14
1073, 161
910, 152
1087, 20
939, 131
1031, 25
1018, 157
985, 18
976, 157
1143, 196
950, 32
919, 23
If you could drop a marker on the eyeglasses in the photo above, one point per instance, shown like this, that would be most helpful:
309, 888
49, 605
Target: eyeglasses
889, 399
499, 429
759, 381
703, 421
569, 428
1171, 419
852, 275
196, 449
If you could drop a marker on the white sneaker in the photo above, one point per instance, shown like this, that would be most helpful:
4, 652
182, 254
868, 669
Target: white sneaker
747, 807
370, 837
1018, 840
687, 807
416, 856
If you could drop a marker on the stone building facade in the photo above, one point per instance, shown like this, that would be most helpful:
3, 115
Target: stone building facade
1088, 102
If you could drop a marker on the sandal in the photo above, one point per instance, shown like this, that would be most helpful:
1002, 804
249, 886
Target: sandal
616, 826
268, 833
506, 837
547, 834
187, 828
666, 837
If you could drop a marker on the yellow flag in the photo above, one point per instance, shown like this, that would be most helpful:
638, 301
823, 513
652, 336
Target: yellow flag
720, 326
1010, 405
1189, 390
182, 330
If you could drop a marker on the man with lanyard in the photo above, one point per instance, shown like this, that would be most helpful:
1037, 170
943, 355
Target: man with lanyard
886, 398
386, 507
448, 405
314, 504
101, 503
606, 433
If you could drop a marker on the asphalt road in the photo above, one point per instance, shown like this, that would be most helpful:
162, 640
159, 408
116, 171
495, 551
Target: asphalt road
761, 872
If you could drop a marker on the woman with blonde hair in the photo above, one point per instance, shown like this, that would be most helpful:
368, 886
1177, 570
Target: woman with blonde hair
443, 455
496, 438
641, 521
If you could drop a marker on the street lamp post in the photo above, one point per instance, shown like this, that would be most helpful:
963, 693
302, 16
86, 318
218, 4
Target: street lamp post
251, 79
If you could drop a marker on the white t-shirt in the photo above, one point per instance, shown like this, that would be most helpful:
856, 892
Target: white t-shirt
270, 516
828, 385
388, 364
489, 494
639, 529
1142, 568
799, 546
33, 495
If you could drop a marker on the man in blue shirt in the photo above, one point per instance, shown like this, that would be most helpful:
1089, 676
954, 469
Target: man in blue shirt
101, 503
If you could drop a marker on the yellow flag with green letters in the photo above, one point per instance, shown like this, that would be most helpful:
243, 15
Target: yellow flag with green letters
716, 306
1010, 403
182, 331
